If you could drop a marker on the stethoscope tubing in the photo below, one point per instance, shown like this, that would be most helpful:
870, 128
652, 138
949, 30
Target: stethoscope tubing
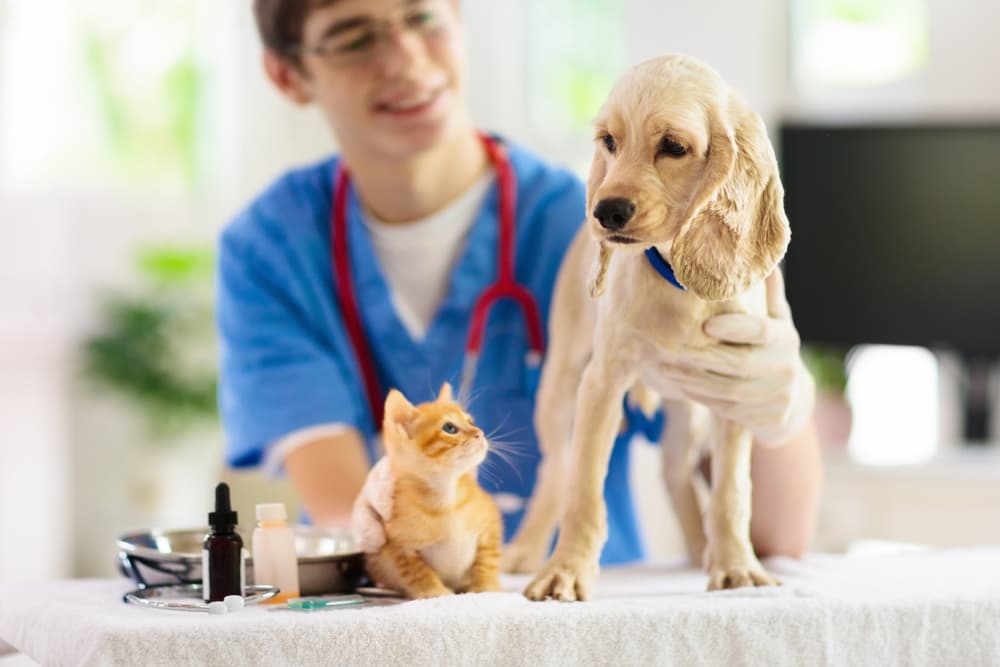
505, 286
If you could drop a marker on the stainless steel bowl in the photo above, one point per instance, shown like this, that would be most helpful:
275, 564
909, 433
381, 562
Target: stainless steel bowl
328, 561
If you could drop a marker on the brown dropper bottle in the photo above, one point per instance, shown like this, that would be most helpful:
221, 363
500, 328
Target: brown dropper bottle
222, 563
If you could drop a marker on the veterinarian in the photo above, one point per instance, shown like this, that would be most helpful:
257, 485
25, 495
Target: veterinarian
408, 217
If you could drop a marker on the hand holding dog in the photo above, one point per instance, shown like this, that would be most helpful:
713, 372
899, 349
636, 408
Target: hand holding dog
753, 374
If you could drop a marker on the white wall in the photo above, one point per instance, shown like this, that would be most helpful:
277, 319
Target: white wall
748, 48
744, 40
257, 134
60, 250
35, 369
35, 473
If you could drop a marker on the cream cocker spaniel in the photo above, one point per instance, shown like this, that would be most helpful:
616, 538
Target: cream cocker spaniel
686, 221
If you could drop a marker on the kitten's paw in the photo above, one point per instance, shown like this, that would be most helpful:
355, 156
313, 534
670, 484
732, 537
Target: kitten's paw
485, 587
432, 592
564, 580
739, 574
522, 557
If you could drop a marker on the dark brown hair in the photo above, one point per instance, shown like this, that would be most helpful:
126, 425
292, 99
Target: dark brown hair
280, 23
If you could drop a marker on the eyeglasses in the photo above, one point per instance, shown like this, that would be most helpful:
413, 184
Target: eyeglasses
359, 41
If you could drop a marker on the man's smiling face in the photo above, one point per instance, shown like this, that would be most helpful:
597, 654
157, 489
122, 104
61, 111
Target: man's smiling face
388, 74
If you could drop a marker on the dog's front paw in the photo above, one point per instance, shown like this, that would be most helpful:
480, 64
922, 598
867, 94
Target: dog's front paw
562, 579
522, 556
739, 574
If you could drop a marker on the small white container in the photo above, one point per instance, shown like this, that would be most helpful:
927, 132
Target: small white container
274, 560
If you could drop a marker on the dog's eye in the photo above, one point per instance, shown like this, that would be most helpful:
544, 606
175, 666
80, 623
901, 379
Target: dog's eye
449, 428
670, 147
609, 143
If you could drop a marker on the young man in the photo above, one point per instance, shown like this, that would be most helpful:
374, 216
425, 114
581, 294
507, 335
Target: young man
420, 221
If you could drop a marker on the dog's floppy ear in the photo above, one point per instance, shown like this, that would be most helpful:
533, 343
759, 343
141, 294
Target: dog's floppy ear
599, 272
735, 230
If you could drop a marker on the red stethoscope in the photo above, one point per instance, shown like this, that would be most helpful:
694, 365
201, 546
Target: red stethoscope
505, 286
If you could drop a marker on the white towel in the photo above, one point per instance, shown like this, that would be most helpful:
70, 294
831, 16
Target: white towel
933, 608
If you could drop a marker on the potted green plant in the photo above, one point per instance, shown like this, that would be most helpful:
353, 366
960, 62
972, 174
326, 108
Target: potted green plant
149, 446
155, 345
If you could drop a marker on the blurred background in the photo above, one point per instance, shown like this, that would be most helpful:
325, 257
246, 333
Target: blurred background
131, 132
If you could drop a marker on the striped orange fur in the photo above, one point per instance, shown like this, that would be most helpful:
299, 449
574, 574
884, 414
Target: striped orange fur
444, 532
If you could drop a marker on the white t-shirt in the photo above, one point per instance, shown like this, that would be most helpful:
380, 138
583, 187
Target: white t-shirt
417, 259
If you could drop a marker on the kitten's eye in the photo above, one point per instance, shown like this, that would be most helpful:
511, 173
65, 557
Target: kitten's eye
672, 148
449, 428
609, 143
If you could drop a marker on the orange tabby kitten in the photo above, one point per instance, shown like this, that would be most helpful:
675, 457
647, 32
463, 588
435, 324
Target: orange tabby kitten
442, 532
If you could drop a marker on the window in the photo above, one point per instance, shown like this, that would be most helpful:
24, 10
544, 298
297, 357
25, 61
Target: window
893, 391
854, 43
110, 95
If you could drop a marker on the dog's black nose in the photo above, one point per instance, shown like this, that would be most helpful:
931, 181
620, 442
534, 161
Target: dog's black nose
614, 213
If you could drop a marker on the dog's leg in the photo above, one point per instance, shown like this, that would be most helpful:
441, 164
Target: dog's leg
682, 442
554, 420
571, 323
731, 562
571, 571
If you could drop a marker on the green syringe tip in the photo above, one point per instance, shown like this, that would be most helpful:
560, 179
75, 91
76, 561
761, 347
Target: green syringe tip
305, 603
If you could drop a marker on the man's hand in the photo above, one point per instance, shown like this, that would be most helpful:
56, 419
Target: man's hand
328, 474
373, 508
754, 374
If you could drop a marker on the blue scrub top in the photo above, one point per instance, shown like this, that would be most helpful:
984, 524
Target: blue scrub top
287, 363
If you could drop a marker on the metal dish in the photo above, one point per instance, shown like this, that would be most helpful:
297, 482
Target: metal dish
328, 561
187, 597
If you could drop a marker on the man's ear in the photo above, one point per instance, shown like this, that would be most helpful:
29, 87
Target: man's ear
399, 415
288, 78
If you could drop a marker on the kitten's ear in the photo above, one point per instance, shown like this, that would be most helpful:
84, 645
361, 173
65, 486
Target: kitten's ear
445, 393
399, 414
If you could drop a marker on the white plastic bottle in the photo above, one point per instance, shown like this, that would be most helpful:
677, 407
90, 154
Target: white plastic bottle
274, 560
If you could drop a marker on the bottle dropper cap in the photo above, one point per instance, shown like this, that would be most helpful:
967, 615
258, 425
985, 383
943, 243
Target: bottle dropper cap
223, 514
271, 512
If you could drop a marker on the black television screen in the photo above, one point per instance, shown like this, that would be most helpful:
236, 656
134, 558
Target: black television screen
895, 235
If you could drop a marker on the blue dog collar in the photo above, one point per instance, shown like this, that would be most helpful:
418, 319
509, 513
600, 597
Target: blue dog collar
662, 267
